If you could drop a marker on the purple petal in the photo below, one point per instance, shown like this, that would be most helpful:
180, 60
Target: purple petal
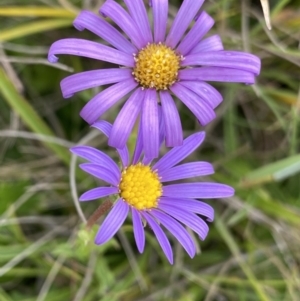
139, 146
213, 43
191, 205
225, 59
150, 125
147, 161
187, 218
185, 15
115, 12
138, 13
187, 170
205, 91
198, 190
96, 156
138, 230
177, 230
90, 21
98, 193
126, 119
201, 27
93, 50
173, 127
162, 125
179, 153
105, 128
104, 100
203, 112
160, 235
101, 172
217, 74
160, 19
112, 222
90, 79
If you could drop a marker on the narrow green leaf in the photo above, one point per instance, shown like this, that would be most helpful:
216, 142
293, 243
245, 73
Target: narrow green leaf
230, 128
262, 200
233, 246
276, 171
33, 27
29, 115
35, 11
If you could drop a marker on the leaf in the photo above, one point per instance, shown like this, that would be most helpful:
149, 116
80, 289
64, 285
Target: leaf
276, 171
283, 95
33, 27
29, 115
266, 10
234, 248
35, 11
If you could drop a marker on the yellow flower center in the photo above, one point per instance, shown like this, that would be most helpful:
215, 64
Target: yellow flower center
140, 186
156, 66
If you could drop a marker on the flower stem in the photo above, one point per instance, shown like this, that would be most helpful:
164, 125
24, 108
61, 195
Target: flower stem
103, 208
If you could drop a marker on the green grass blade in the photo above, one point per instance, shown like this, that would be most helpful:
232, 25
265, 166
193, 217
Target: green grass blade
276, 171
29, 116
35, 11
229, 240
33, 27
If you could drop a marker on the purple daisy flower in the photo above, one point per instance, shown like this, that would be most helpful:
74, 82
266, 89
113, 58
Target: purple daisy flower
144, 190
154, 67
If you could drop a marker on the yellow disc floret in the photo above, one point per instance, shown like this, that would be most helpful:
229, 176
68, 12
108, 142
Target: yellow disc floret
140, 186
156, 66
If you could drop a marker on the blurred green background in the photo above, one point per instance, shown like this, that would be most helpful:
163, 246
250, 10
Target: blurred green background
253, 248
